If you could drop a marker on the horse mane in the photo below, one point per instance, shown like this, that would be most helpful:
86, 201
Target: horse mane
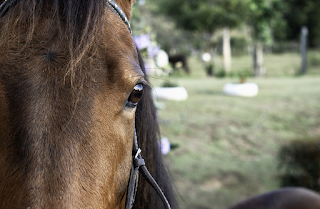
148, 134
76, 21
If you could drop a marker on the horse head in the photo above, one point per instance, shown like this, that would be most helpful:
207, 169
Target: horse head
70, 84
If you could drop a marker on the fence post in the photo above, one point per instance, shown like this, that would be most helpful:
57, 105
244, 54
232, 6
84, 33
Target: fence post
303, 49
226, 50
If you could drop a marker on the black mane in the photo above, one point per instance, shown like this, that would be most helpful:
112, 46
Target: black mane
148, 134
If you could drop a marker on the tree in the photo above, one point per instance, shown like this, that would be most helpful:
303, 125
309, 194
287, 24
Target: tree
299, 13
264, 15
205, 17
146, 19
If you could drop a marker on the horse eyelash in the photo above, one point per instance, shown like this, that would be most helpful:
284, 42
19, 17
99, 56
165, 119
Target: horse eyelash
144, 82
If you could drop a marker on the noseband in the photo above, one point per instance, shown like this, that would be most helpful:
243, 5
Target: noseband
138, 163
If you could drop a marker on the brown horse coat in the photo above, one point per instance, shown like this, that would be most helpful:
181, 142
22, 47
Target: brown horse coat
286, 198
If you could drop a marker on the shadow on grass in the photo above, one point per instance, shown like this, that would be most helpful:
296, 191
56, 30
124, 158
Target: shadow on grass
210, 92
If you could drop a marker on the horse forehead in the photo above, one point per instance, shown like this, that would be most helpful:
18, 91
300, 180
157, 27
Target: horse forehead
117, 44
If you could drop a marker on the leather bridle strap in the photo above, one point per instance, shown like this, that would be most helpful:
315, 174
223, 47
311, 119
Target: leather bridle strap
117, 10
138, 165
5, 6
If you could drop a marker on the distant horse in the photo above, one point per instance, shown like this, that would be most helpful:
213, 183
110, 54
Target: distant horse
174, 59
286, 198
71, 86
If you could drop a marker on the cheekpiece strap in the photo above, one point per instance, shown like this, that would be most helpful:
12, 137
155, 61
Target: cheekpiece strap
137, 162
139, 166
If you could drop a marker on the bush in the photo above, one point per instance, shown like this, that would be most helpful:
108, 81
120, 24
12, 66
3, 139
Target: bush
243, 75
210, 69
221, 73
314, 60
169, 84
299, 164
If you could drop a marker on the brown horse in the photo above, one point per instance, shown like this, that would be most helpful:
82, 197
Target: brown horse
286, 198
70, 83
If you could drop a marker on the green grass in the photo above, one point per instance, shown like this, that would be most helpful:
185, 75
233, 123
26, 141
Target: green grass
228, 145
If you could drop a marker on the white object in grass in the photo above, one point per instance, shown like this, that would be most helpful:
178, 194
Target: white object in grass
241, 89
170, 93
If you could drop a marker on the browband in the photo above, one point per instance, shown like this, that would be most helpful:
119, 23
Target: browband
5, 6
117, 10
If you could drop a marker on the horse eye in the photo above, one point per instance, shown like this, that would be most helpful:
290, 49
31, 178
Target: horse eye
135, 95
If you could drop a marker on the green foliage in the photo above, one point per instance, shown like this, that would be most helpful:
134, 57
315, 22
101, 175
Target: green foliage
265, 15
209, 15
206, 15
146, 19
239, 45
303, 13
244, 74
299, 162
241, 74
314, 60
169, 84
221, 73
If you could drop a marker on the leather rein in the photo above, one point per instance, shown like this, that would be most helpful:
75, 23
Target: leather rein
138, 163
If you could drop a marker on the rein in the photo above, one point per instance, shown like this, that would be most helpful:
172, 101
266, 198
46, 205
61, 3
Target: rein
138, 163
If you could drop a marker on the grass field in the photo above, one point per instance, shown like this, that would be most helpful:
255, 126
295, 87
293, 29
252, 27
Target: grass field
228, 145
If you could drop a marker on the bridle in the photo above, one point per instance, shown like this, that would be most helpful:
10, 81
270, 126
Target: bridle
5, 6
138, 163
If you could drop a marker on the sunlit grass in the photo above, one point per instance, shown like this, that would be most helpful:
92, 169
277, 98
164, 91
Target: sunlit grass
228, 145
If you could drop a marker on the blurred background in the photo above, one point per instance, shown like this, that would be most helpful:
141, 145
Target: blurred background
246, 120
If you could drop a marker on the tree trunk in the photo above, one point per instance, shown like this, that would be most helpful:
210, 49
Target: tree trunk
210, 65
226, 50
258, 69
